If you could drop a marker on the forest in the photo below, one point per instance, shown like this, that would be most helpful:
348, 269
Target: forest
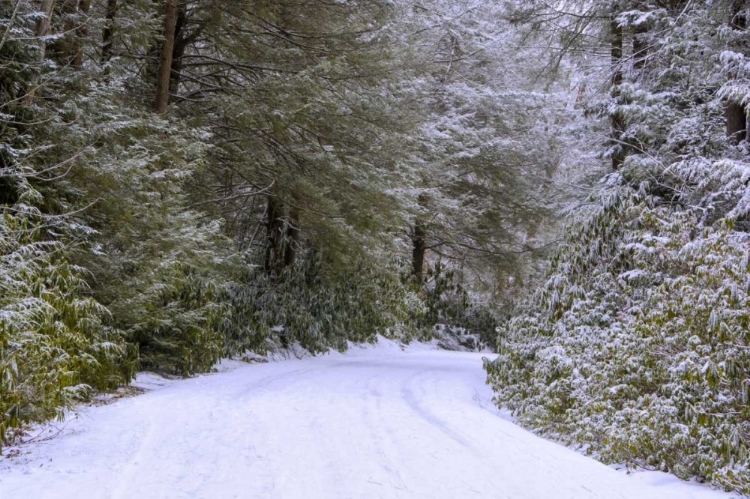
185, 181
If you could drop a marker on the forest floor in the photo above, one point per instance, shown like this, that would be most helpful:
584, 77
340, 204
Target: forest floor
372, 423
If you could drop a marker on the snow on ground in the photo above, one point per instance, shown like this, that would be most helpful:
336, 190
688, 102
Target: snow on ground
373, 423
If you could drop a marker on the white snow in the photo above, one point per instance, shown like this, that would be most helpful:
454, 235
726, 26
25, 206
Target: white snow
373, 423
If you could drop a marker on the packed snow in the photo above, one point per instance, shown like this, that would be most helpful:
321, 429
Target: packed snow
372, 423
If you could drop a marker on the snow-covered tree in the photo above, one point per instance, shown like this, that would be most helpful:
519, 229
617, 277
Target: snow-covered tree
635, 348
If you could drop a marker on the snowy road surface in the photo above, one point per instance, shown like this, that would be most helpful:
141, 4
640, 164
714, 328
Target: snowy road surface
368, 424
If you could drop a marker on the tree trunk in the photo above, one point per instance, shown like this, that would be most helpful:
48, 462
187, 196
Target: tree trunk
180, 45
165, 63
84, 6
42, 30
293, 235
617, 119
739, 20
64, 49
419, 243
108, 34
736, 122
640, 46
274, 235
736, 112
419, 250
43, 24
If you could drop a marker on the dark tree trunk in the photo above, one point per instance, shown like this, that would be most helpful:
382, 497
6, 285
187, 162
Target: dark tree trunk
419, 250
640, 46
616, 50
165, 62
108, 34
736, 122
739, 19
41, 30
65, 49
274, 235
617, 119
181, 41
43, 24
293, 235
736, 112
419, 242
84, 6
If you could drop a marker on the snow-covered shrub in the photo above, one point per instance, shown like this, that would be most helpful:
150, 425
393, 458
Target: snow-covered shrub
449, 304
54, 348
160, 267
318, 307
637, 346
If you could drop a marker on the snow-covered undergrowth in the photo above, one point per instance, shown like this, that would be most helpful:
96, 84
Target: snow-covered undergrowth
54, 346
379, 421
636, 349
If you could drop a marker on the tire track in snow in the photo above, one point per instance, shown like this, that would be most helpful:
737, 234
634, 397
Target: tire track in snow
379, 433
407, 393
130, 472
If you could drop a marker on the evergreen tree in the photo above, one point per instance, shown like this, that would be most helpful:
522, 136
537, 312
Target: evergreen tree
635, 347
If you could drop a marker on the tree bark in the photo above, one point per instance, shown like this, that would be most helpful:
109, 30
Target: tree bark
64, 49
617, 119
182, 40
418, 251
274, 235
108, 34
293, 235
736, 122
43, 24
640, 46
165, 63
736, 112
739, 20
84, 6
419, 243
41, 30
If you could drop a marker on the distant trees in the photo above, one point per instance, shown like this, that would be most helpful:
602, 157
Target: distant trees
487, 142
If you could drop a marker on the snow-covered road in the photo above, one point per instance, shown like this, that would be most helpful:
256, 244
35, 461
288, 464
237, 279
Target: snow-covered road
369, 424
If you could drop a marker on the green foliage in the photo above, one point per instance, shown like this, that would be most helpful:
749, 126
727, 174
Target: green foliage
55, 344
54, 347
636, 348
318, 307
307, 117
157, 266
447, 302
175, 321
